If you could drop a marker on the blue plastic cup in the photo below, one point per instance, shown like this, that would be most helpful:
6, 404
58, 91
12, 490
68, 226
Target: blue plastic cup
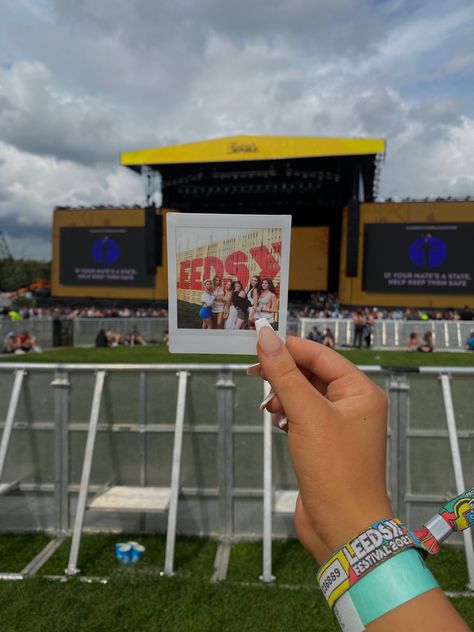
136, 551
124, 552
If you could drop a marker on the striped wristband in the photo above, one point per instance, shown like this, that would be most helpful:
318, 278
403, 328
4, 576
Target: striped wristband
456, 515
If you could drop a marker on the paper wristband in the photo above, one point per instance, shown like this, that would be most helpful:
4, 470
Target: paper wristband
399, 579
361, 555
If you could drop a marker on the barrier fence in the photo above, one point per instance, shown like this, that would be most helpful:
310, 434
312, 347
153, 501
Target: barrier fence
386, 334
450, 335
185, 449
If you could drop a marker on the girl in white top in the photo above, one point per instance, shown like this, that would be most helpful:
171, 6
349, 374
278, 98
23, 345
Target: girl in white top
218, 303
267, 305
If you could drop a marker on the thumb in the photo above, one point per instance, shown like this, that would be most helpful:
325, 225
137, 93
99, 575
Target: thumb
295, 392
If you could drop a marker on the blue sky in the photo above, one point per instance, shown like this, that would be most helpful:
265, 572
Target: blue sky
82, 81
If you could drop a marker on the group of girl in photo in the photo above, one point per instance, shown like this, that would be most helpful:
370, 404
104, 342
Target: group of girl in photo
233, 307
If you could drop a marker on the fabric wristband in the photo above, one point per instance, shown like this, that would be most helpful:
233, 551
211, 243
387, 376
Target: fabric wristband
456, 515
361, 555
398, 580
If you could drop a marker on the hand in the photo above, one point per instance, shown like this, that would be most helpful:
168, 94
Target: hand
337, 436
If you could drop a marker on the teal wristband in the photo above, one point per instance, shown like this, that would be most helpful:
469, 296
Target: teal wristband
399, 579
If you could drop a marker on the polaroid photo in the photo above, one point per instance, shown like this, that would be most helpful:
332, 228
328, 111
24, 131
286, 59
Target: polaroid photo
225, 272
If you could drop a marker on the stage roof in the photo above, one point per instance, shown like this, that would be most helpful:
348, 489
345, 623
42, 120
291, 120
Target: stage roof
251, 148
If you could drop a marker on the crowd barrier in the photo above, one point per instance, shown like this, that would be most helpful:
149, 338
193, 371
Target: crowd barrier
386, 334
450, 335
185, 449
42, 329
85, 330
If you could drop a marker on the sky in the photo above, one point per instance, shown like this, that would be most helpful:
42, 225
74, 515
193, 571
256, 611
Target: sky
82, 81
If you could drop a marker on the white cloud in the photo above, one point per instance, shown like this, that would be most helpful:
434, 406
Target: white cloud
436, 169
32, 186
82, 81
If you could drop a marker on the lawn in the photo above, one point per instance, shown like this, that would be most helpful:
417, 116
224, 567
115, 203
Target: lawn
156, 354
136, 598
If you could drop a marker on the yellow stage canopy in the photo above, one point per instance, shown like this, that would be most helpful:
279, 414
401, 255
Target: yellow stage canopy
239, 148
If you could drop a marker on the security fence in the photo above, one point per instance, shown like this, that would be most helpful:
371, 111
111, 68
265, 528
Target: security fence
386, 334
185, 448
86, 329
394, 334
42, 329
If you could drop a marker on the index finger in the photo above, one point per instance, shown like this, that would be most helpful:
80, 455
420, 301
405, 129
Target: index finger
296, 394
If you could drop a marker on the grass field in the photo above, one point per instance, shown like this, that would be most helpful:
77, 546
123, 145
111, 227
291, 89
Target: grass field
160, 354
137, 599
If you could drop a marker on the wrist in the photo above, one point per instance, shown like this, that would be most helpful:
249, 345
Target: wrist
339, 533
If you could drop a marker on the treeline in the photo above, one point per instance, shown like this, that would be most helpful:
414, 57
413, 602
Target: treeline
18, 273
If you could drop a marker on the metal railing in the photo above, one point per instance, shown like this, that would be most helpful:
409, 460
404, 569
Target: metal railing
46, 408
86, 329
394, 334
386, 334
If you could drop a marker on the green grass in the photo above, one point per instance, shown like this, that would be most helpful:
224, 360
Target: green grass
136, 598
151, 354
155, 354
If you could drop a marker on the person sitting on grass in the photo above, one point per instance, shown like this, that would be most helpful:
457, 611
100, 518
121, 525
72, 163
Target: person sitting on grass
101, 339
113, 337
470, 342
413, 342
134, 337
27, 342
427, 346
328, 339
10, 343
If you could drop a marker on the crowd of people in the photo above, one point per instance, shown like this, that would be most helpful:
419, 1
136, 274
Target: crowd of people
229, 305
324, 305
320, 305
71, 313
232, 307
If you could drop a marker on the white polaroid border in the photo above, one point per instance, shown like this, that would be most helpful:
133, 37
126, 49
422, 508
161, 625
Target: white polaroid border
222, 341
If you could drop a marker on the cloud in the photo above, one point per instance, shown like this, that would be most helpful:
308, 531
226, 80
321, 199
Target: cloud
82, 81
434, 169
32, 186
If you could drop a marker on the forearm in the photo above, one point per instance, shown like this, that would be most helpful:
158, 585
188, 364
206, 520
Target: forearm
430, 611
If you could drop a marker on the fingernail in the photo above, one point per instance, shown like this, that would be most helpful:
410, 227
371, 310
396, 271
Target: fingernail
283, 423
270, 396
254, 369
267, 338
280, 422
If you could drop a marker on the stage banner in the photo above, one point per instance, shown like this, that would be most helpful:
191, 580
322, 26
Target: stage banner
254, 252
104, 256
419, 258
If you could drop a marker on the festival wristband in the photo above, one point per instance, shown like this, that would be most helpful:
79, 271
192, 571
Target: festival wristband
400, 579
455, 515
362, 554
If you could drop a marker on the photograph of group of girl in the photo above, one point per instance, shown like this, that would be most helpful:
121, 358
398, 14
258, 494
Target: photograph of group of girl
227, 278
231, 306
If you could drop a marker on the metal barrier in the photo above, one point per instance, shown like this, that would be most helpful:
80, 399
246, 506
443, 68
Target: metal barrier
86, 329
424, 452
42, 329
449, 335
47, 409
389, 334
